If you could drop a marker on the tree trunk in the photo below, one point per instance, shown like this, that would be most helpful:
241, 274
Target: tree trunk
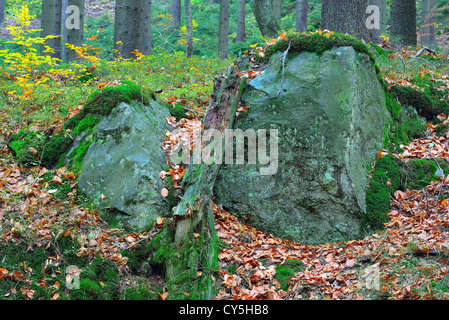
194, 215
277, 10
302, 7
132, 27
189, 28
2, 11
47, 24
346, 16
241, 21
57, 29
403, 22
223, 32
263, 11
145, 28
176, 13
427, 24
75, 27
64, 31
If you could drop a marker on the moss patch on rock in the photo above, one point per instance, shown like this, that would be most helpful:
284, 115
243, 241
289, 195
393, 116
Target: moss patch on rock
315, 43
391, 174
33, 147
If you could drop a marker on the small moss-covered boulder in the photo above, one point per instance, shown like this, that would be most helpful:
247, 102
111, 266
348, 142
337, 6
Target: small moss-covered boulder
391, 174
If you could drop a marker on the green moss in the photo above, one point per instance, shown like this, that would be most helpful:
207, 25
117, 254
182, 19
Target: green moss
176, 111
287, 270
429, 100
102, 101
391, 174
301, 42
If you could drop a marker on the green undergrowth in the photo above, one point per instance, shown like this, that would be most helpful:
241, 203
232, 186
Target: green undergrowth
391, 174
186, 267
429, 100
287, 270
99, 278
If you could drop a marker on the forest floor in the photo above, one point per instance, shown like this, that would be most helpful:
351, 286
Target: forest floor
407, 260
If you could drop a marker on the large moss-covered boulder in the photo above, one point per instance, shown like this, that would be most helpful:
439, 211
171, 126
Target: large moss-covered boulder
121, 166
331, 119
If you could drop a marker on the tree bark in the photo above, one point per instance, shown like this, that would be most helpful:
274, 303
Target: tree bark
427, 24
47, 24
2, 11
403, 22
346, 16
75, 35
277, 10
57, 29
189, 28
241, 20
263, 11
176, 13
132, 27
223, 32
302, 7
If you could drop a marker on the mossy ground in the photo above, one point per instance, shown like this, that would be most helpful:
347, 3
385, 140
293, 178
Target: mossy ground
391, 174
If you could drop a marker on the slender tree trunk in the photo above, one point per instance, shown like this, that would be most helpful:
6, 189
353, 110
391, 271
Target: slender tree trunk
346, 16
403, 22
2, 11
132, 27
302, 7
241, 21
223, 32
263, 11
57, 29
176, 13
277, 10
427, 25
145, 28
75, 27
189, 28
47, 24
64, 31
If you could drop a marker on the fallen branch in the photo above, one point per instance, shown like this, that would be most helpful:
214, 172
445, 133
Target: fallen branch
420, 52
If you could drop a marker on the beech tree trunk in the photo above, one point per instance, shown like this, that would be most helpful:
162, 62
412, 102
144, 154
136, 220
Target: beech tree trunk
189, 28
263, 11
427, 24
277, 10
403, 22
241, 20
302, 7
132, 27
57, 31
2, 11
346, 16
176, 13
223, 32
47, 24
74, 23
